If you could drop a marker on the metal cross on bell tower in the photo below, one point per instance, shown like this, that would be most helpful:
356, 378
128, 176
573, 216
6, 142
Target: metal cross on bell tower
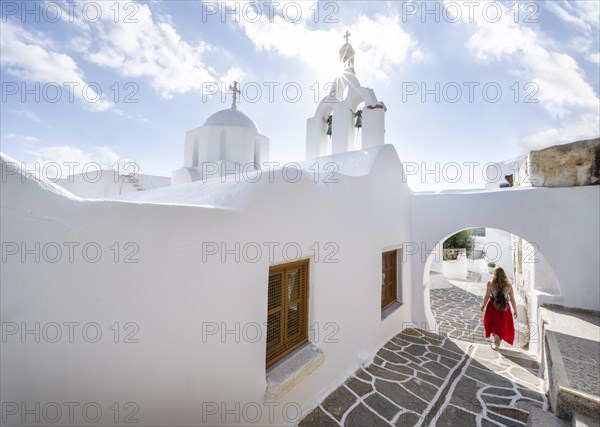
347, 54
233, 88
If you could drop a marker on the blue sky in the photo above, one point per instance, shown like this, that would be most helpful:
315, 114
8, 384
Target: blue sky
150, 61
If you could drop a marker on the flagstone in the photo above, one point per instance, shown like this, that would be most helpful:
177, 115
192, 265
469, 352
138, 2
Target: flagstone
434, 378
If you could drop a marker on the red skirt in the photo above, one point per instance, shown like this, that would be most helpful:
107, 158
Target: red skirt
499, 323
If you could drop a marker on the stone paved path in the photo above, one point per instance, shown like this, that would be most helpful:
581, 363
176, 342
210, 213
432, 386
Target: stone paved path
426, 378
458, 314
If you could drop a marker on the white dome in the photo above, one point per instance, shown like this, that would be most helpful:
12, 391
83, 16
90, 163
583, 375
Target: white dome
231, 117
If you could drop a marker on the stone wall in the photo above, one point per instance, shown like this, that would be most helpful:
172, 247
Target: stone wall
566, 165
453, 254
523, 279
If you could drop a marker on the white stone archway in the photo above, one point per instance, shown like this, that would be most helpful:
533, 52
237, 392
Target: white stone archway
543, 216
529, 276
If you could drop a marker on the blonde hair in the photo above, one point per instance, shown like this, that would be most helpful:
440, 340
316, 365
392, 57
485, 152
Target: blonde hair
500, 285
499, 280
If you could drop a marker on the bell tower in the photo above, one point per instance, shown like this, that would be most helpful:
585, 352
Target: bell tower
349, 118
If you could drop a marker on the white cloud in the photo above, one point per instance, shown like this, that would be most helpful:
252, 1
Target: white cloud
593, 57
495, 41
584, 17
24, 55
380, 42
233, 74
23, 138
149, 48
580, 44
26, 114
582, 14
134, 117
128, 39
563, 87
586, 127
72, 159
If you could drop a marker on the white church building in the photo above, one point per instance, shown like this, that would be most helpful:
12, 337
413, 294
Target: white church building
193, 301
228, 142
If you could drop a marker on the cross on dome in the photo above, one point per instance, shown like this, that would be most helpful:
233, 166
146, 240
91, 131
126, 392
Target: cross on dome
233, 88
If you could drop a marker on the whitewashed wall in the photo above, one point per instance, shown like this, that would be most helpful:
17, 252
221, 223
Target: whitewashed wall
103, 183
170, 293
498, 249
545, 279
456, 269
438, 259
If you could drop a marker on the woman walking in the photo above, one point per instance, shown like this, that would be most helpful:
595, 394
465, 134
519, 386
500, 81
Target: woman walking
498, 318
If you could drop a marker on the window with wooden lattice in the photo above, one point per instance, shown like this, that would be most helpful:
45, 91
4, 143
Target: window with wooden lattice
287, 315
389, 278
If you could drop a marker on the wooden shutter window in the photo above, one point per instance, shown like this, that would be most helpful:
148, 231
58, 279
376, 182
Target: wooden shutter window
389, 274
287, 316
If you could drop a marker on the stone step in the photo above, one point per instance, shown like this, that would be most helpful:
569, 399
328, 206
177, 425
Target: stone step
134, 181
571, 368
580, 420
541, 418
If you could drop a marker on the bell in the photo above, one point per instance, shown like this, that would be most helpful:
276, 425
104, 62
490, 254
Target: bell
358, 122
